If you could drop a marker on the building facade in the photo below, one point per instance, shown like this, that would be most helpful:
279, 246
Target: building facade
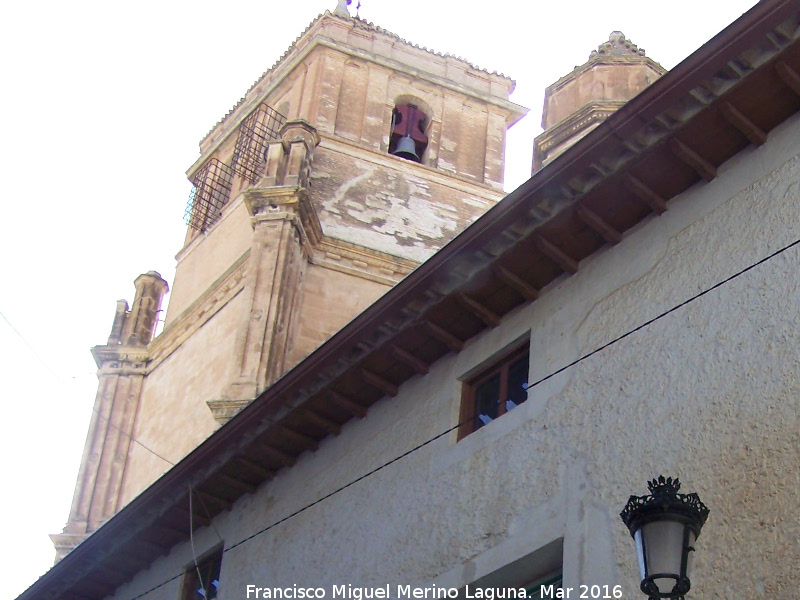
630, 311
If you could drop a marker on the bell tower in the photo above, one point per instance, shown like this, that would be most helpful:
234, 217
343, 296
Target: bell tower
581, 100
349, 162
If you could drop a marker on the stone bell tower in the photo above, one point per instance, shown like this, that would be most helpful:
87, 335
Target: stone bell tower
350, 161
584, 98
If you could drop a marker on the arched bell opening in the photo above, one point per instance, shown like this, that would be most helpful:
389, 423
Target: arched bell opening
408, 139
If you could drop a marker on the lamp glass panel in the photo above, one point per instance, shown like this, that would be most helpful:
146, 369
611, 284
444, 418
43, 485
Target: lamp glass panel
663, 547
690, 556
637, 537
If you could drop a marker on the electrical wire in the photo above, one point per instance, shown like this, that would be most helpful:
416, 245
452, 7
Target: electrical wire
530, 386
94, 408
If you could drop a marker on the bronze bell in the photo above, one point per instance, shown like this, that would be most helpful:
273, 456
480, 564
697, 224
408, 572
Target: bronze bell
406, 148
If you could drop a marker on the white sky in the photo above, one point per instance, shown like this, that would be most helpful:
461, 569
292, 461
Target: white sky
105, 103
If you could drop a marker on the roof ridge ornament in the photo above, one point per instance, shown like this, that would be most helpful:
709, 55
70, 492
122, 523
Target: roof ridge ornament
617, 45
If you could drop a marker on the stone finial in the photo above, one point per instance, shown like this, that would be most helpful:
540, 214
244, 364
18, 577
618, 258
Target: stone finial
137, 326
617, 45
341, 8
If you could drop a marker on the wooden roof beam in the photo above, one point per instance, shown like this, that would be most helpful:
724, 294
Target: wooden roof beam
593, 220
236, 483
213, 499
328, 425
199, 519
646, 195
692, 159
564, 261
260, 470
379, 383
408, 359
789, 76
516, 283
354, 408
287, 460
745, 126
447, 338
479, 310
307, 441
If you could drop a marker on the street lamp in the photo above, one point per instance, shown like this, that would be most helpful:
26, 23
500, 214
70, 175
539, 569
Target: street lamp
664, 525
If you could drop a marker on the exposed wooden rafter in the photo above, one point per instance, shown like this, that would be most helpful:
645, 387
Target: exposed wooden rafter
420, 366
593, 220
479, 310
279, 455
646, 195
564, 261
447, 338
208, 497
789, 76
516, 283
745, 126
254, 467
351, 406
199, 517
330, 426
235, 482
378, 382
691, 158
305, 440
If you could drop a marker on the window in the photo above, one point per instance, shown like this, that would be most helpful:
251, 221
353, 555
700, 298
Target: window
547, 587
494, 391
201, 581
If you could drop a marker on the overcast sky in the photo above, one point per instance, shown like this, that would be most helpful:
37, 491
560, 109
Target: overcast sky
104, 105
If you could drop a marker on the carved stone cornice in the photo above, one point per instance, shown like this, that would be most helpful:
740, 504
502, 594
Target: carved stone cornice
373, 265
271, 203
121, 360
595, 112
224, 410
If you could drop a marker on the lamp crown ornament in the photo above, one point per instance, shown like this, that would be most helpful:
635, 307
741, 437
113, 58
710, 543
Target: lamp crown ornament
667, 484
664, 495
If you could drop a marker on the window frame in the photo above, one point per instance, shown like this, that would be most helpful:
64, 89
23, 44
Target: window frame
468, 414
207, 565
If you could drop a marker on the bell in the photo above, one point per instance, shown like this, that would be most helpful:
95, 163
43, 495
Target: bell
406, 148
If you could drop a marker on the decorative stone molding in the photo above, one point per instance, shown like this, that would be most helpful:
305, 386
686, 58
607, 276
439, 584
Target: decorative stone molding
617, 45
199, 312
225, 409
121, 360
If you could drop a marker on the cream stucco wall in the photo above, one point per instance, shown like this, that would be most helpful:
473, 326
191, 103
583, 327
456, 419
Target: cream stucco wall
708, 393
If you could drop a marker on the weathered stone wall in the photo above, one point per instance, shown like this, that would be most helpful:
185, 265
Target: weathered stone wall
390, 204
708, 393
208, 256
173, 417
329, 300
619, 80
